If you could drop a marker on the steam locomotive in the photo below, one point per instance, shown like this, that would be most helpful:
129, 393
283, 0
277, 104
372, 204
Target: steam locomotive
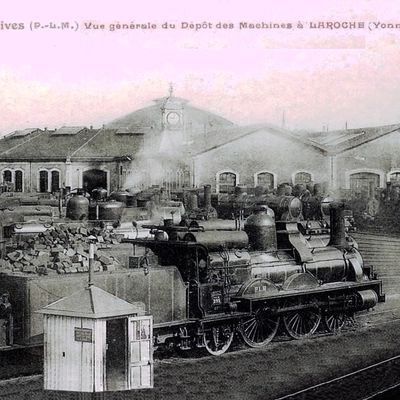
276, 271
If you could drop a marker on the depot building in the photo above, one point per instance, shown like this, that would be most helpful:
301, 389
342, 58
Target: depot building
173, 144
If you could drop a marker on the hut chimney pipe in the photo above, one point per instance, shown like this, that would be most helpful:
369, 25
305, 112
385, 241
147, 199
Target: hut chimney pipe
91, 263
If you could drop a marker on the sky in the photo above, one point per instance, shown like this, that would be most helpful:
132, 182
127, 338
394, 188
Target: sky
318, 78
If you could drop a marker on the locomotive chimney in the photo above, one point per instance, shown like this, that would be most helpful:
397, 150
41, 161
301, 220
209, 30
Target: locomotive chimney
207, 197
193, 201
338, 234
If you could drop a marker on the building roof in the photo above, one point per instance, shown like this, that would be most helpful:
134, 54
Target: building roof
69, 130
121, 137
92, 302
22, 132
203, 130
196, 120
342, 140
86, 143
107, 143
134, 130
10, 141
45, 145
220, 137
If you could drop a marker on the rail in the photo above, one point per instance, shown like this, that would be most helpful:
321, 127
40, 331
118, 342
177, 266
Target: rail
354, 384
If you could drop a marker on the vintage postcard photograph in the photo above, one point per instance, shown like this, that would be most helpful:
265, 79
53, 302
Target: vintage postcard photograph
200, 200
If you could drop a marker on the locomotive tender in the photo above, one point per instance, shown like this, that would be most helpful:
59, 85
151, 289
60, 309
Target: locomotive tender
298, 273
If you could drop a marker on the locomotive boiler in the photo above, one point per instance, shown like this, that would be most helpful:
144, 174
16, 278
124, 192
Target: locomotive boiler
269, 275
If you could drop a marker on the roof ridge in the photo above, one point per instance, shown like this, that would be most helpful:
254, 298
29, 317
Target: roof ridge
260, 127
352, 142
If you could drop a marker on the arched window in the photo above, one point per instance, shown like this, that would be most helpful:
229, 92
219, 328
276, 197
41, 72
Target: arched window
265, 179
7, 175
43, 181
302, 177
181, 178
55, 181
364, 181
19, 181
227, 182
395, 177
176, 178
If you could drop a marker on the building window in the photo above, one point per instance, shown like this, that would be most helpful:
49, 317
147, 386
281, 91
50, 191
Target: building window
7, 176
364, 181
43, 181
265, 179
176, 179
394, 177
227, 182
55, 181
49, 181
13, 180
19, 181
302, 177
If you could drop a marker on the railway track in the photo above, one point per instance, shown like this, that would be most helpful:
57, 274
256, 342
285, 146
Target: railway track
264, 373
369, 383
33, 363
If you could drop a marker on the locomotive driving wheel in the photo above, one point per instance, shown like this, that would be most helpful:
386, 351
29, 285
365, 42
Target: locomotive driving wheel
334, 321
217, 339
260, 328
303, 323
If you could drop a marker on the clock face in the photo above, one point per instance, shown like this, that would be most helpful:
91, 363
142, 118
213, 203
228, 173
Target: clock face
173, 118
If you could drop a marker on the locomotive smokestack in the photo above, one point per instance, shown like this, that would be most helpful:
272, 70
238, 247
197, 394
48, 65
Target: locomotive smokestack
193, 201
207, 197
338, 234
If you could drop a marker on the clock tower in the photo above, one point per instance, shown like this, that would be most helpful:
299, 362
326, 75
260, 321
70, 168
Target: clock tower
172, 112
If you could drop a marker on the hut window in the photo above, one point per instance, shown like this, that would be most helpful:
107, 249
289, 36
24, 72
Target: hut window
227, 182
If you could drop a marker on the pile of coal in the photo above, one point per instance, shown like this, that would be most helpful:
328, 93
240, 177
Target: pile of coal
62, 249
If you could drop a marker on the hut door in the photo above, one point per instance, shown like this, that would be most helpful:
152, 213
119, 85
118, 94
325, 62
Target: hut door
140, 352
116, 351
